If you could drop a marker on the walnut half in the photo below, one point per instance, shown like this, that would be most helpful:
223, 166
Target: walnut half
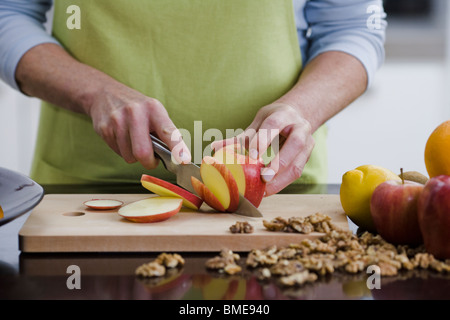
157, 267
225, 262
241, 227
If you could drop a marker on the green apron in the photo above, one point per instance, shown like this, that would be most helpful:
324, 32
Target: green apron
214, 61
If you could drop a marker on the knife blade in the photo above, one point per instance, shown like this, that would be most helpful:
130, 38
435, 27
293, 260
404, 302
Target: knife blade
184, 172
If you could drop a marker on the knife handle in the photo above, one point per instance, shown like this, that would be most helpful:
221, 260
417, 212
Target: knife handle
162, 152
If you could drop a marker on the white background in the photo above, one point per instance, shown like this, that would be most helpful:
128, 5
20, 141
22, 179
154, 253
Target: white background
387, 126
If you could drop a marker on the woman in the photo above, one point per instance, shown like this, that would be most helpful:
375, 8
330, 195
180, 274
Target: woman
141, 66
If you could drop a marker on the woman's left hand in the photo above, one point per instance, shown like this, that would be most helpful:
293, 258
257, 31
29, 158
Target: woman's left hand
282, 127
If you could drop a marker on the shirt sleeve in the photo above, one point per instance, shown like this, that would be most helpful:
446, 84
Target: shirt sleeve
21, 28
356, 27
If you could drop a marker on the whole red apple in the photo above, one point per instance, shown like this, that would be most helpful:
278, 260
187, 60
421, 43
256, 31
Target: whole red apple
394, 210
434, 216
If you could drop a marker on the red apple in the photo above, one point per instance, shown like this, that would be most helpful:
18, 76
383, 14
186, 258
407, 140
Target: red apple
434, 216
393, 207
153, 209
245, 170
167, 189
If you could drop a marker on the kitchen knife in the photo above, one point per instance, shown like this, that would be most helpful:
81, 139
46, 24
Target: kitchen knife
184, 172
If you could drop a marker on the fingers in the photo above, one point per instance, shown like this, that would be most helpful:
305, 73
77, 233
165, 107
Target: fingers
125, 125
282, 124
290, 170
132, 135
160, 123
278, 119
298, 140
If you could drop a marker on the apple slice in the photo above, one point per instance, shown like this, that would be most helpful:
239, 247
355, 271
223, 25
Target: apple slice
246, 173
167, 189
206, 194
220, 181
153, 209
103, 204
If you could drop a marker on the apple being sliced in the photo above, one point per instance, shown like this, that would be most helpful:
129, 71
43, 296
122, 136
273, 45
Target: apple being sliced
207, 195
218, 179
153, 209
167, 189
246, 172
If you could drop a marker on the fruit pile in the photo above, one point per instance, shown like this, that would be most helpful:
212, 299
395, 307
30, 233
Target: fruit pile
408, 208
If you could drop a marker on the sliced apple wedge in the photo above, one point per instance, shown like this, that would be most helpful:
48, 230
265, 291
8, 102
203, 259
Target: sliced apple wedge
219, 180
246, 172
153, 209
167, 189
206, 194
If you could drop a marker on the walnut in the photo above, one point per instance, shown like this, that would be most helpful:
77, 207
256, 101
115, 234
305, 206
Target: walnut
232, 268
225, 262
404, 260
287, 253
387, 269
258, 257
354, 266
264, 274
317, 222
298, 278
299, 225
320, 263
286, 267
241, 227
157, 267
277, 224
170, 260
422, 260
151, 269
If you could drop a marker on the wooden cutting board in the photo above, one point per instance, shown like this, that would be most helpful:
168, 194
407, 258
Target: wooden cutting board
61, 223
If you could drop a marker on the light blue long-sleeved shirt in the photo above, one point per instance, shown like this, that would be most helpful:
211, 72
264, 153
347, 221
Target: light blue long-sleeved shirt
356, 27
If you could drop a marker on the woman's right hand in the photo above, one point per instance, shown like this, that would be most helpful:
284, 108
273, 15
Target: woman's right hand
124, 118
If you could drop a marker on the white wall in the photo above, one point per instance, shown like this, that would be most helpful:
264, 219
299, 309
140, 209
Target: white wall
389, 125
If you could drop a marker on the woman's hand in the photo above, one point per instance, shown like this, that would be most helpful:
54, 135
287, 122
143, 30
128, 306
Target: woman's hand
124, 118
282, 127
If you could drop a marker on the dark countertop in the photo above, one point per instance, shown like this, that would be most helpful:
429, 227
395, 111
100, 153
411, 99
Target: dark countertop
110, 276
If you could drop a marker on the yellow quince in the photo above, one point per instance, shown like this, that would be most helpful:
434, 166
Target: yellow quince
356, 191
